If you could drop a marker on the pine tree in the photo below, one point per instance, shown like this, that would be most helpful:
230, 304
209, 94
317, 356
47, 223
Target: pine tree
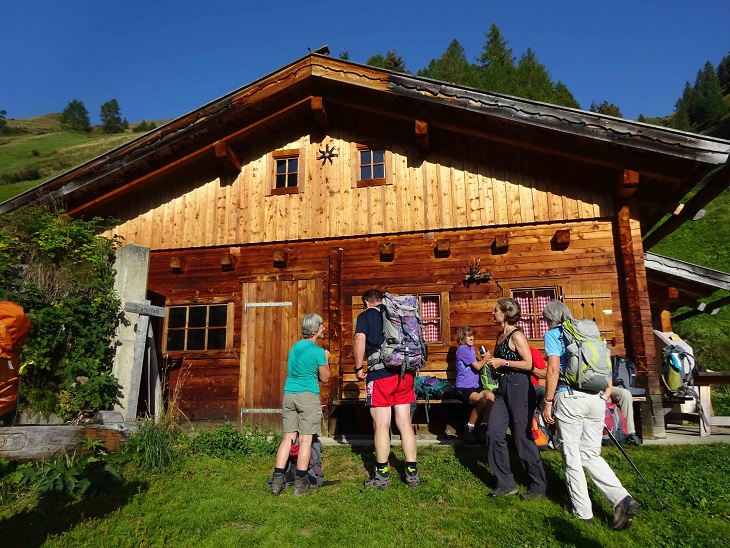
344, 54
533, 80
609, 109
75, 117
708, 106
683, 106
394, 62
564, 97
452, 66
497, 71
377, 60
111, 117
723, 73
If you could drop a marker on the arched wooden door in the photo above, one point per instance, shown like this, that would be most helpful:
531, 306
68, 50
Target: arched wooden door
271, 324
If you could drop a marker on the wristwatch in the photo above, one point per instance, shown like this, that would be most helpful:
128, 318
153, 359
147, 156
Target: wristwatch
506, 363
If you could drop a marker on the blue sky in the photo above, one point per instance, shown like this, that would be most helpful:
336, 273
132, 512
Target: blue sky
162, 59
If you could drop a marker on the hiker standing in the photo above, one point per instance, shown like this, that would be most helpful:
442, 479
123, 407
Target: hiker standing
468, 386
579, 416
514, 406
301, 408
385, 389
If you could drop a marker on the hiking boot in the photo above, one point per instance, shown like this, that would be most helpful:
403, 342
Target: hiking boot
469, 436
634, 440
412, 480
503, 491
378, 481
302, 486
277, 484
532, 495
624, 511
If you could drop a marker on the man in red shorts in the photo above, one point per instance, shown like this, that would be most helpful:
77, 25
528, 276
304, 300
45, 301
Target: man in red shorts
385, 389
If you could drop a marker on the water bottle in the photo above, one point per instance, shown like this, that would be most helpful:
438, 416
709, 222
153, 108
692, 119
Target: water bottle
483, 350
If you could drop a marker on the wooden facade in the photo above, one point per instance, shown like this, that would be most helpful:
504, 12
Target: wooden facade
547, 198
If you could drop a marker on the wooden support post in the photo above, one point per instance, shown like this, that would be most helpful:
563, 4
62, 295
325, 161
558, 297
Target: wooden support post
637, 328
500, 245
334, 292
319, 112
387, 251
421, 136
627, 183
227, 158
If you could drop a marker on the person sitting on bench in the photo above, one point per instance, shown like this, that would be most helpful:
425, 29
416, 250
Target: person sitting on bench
467, 386
625, 400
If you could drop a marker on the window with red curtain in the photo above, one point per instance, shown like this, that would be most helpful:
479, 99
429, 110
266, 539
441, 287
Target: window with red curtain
532, 300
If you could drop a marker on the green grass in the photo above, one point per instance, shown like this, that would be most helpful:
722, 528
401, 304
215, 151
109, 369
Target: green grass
205, 501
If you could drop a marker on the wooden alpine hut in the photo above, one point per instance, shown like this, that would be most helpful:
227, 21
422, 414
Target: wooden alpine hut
304, 188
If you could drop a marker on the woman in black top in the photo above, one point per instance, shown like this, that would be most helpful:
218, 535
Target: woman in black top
514, 406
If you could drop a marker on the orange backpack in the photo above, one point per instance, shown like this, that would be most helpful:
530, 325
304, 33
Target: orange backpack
14, 330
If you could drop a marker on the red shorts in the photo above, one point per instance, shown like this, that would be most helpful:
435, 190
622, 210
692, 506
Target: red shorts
390, 391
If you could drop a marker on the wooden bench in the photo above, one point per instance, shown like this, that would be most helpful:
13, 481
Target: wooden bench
704, 381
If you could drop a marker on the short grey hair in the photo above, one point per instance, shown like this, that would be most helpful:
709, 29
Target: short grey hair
310, 325
555, 313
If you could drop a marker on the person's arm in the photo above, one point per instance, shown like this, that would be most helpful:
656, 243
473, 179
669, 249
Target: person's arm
324, 370
522, 348
479, 364
607, 391
551, 384
539, 373
358, 350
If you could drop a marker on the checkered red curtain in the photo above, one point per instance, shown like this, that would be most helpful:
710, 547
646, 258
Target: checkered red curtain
430, 314
532, 302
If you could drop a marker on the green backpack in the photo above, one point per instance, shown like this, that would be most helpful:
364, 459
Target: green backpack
586, 355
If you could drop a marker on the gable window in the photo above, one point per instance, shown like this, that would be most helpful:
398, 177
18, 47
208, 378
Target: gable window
199, 327
372, 164
288, 171
371, 168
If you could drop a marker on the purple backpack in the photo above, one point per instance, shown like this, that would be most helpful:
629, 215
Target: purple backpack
403, 347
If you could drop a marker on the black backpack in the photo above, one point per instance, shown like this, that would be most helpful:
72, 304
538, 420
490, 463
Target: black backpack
624, 375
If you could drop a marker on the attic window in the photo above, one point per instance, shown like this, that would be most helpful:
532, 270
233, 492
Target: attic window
372, 165
288, 174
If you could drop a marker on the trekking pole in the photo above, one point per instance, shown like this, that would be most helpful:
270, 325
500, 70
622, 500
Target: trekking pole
625, 454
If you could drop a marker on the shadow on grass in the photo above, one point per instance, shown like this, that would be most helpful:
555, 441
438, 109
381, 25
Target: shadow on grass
53, 515
568, 532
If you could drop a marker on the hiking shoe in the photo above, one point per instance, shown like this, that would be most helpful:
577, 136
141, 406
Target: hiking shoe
624, 511
469, 437
277, 484
634, 440
302, 486
532, 495
503, 491
378, 481
412, 480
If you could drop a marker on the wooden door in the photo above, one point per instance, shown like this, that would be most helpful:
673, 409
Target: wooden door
272, 320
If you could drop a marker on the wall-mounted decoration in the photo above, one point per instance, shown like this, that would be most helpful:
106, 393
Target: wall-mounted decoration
327, 154
473, 272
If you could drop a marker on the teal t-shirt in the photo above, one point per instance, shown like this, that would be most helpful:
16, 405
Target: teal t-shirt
305, 357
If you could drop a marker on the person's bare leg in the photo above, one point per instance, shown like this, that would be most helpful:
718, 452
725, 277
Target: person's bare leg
381, 424
405, 427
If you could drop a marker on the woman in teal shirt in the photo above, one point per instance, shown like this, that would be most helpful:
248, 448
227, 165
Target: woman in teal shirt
301, 408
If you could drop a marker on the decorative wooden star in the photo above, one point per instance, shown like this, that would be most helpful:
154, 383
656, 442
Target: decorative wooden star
327, 154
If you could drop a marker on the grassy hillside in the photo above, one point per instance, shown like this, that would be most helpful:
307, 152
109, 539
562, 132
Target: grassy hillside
705, 242
42, 150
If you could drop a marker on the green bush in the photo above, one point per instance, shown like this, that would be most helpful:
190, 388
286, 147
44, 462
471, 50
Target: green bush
227, 442
61, 272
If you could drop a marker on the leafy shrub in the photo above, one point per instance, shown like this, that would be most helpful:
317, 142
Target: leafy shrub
25, 174
61, 272
227, 442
